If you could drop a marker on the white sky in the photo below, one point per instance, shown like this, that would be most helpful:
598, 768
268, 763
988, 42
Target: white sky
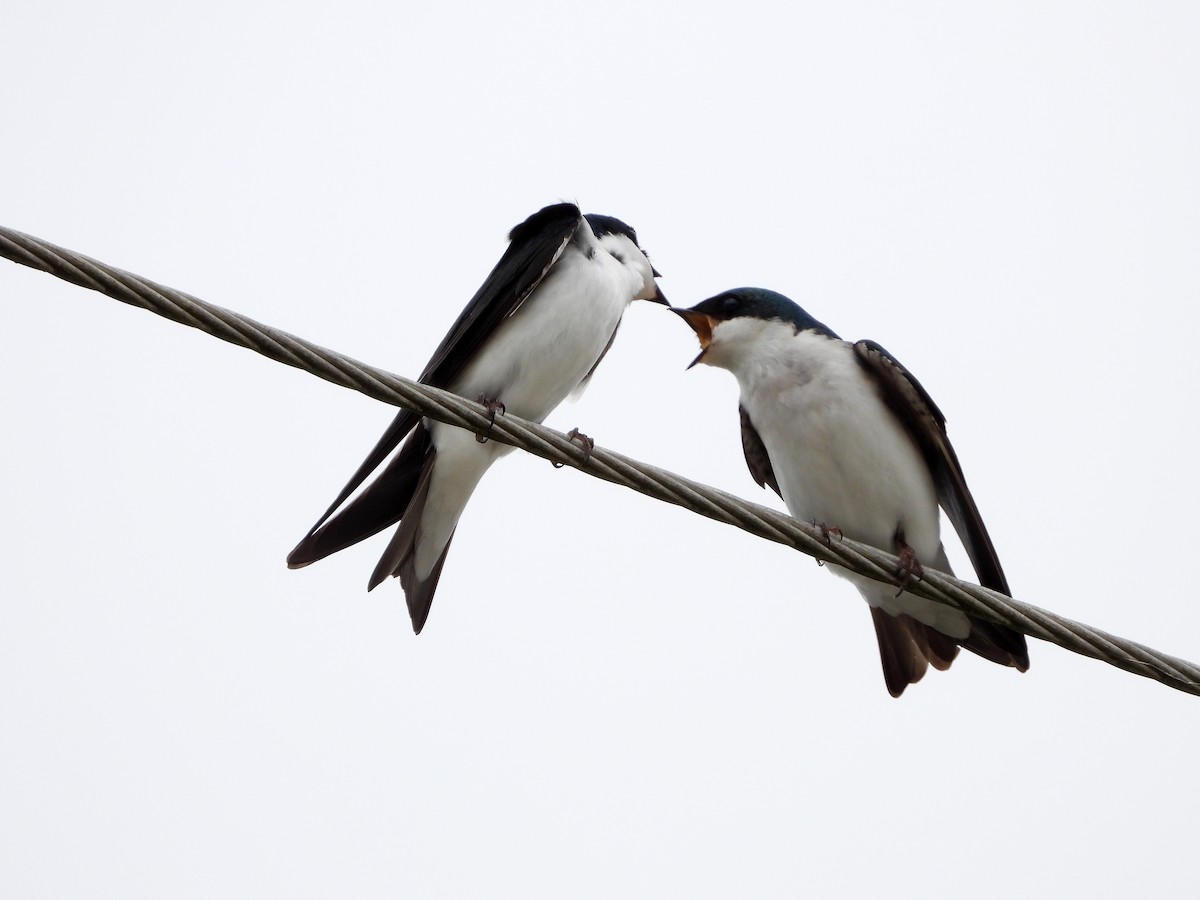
612, 697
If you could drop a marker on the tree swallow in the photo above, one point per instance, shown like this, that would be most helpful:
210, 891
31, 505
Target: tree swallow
532, 334
852, 442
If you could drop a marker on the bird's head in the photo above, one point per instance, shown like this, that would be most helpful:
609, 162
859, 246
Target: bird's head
620, 241
730, 324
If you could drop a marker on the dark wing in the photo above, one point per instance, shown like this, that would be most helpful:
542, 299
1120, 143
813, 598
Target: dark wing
913, 406
378, 507
757, 459
534, 246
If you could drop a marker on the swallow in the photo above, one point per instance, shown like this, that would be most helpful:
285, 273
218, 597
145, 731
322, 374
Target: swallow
532, 335
854, 444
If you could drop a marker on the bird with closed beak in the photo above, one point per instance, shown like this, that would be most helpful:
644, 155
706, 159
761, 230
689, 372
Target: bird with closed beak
532, 335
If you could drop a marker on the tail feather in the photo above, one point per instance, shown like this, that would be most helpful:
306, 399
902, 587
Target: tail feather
903, 649
419, 594
908, 647
940, 649
404, 541
399, 557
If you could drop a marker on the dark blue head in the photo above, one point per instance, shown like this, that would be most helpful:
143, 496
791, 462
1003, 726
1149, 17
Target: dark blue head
758, 303
748, 302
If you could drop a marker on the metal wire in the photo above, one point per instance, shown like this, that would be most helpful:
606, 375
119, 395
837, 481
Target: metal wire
605, 464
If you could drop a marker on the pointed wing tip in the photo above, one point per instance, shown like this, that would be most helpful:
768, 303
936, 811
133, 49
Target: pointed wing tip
301, 556
1021, 655
1018, 654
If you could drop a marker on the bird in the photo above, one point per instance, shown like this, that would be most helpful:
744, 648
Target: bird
532, 335
855, 445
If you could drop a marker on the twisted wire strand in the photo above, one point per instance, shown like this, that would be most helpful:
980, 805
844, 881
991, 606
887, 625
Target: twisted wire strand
605, 464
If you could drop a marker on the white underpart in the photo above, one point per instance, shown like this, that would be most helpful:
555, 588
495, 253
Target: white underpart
533, 362
840, 456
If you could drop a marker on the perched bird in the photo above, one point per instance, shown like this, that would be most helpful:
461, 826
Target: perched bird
532, 334
853, 443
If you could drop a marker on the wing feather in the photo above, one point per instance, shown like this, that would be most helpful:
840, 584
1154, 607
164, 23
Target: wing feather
534, 246
913, 406
757, 458
926, 424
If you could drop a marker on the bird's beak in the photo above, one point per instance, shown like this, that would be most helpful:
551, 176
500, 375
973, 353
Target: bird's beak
659, 296
702, 324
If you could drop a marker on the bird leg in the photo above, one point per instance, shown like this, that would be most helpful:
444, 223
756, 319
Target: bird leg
910, 567
577, 436
491, 404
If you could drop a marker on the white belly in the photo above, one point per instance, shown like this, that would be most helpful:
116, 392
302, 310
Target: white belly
533, 362
843, 459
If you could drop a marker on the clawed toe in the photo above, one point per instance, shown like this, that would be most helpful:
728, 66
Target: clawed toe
493, 406
910, 569
829, 533
577, 436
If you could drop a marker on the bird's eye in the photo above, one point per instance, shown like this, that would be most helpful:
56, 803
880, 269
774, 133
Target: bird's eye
730, 304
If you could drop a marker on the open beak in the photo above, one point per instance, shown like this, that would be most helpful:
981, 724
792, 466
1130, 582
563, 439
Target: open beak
702, 324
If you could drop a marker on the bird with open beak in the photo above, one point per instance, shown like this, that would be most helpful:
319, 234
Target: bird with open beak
853, 443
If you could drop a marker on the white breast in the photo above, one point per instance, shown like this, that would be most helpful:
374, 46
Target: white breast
541, 353
839, 454
532, 362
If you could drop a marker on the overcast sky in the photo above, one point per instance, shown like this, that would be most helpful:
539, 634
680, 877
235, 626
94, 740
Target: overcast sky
612, 697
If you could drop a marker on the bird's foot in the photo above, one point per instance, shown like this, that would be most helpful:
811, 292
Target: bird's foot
577, 436
910, 567
829, 533
493, 406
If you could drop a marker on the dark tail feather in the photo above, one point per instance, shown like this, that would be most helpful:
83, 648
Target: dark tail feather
378, 507
404, 541
907, 647
399, 558
419, 594
940, 649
